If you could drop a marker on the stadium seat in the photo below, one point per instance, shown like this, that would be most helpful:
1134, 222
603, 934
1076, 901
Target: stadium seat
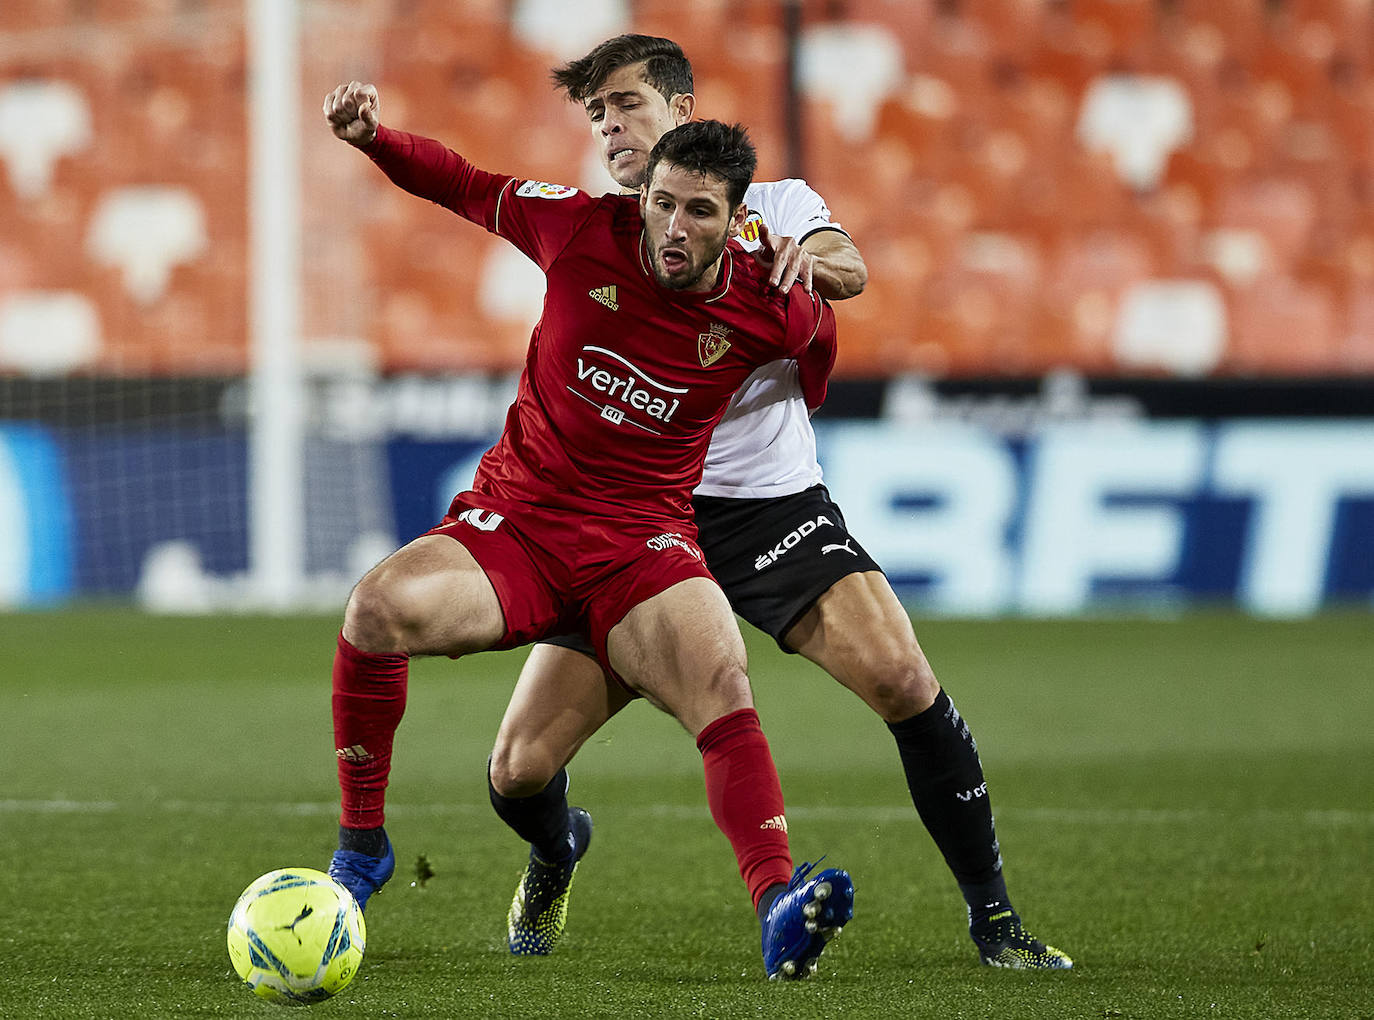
1170, 327
1282, 210
1140, 120
544, 25
1241, 24
1356, 352
41, 122
1012, 30
912, 21
146, 231
1280, 326
1212, 165
112, 12
851, 69
1332, 31
1239, 255
698, 28
1042, 109
1125, 27
1350, 115
48, 332
1074, 55
960, 56
1085, 277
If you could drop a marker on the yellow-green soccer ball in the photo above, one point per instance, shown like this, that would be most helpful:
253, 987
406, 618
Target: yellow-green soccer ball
296, 937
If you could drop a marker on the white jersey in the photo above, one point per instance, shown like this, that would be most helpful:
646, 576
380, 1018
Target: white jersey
764, 445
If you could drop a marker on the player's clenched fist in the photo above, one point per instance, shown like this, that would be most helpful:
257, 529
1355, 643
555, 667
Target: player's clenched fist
352, 112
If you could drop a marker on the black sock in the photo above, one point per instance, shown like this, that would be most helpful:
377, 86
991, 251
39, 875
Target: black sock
363, 841
540, 820
769, 897
985, 899
951, 796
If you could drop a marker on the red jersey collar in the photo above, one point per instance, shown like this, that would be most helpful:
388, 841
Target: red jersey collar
706, 297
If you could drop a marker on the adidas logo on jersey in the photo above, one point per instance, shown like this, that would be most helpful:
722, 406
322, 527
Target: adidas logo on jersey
606, 295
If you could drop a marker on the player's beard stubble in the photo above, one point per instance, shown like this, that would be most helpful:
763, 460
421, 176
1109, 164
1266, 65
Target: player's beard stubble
691, 273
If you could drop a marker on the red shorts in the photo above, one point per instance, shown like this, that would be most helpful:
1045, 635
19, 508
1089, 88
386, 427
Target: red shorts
558, 571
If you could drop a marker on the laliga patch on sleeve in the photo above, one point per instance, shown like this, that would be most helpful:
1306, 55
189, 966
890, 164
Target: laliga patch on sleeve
540, 189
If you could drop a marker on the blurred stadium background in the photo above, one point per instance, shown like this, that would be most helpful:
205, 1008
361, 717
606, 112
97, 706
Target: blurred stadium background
1117, 348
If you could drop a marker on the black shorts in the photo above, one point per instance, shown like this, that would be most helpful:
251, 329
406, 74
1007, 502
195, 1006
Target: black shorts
773, 557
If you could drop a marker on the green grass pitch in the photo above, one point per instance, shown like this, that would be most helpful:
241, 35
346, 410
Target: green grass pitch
1184, 806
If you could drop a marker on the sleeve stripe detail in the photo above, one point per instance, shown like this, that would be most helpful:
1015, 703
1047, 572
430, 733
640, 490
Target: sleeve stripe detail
829, 226
496, 218
820, 313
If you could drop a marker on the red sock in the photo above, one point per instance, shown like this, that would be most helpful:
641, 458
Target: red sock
745, 796
369, 700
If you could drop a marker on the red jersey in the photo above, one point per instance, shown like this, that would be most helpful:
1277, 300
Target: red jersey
625, 378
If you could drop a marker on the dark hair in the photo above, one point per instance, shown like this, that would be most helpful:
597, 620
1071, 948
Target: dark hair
709, 147
667, 68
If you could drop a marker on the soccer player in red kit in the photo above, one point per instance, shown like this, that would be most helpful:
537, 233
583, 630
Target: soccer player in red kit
777, 544
579, 518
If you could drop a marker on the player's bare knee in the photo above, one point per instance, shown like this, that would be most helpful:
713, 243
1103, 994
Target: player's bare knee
375, 619
518, 770
895, 680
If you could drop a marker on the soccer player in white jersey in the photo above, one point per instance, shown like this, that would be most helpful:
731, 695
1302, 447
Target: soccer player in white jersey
779, 548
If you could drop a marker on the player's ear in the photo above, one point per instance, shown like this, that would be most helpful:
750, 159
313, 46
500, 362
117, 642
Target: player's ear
682, 106
737, 219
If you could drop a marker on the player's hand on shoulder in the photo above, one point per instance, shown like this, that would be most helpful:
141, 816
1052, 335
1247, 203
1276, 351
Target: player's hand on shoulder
789, 261
353, 112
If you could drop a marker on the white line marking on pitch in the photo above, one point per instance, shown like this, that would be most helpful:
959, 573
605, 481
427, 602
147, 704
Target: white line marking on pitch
872, 813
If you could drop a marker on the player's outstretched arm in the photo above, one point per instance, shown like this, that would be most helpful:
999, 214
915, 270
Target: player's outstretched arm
353, 113
827, 262
839, 271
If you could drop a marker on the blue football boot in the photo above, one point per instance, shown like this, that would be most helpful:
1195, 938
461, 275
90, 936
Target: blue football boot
362, 874
803, 919
539, 911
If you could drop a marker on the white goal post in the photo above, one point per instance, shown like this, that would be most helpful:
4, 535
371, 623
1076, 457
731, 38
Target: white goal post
277, 417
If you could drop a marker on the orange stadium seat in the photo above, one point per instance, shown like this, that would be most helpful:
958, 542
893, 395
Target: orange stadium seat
1242, 24
26, 15
1344, 28
1041, 109
1012, 30
1350, 115
1072, 54
1086, 275
1117, 32
1203, 178
959, 55
912, 21
697, 28
1283, 327
1305, 76
1356, 353
1282, 210
926, 119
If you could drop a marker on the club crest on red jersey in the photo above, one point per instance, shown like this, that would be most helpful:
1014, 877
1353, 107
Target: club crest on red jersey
712, 344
